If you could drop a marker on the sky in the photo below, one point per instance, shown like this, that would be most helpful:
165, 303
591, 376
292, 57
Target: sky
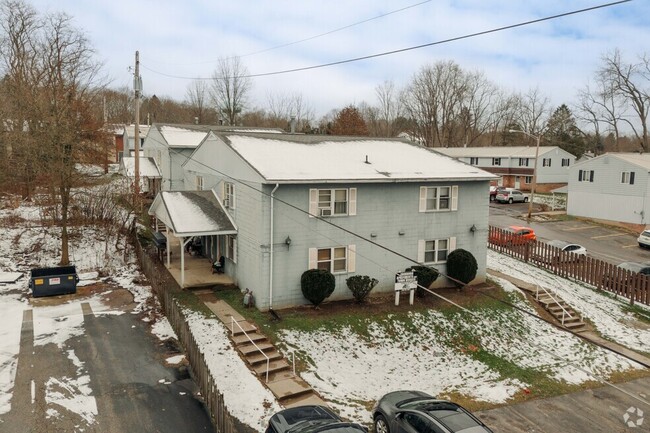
184, 39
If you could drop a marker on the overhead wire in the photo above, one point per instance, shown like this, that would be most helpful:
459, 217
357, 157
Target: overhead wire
402, 50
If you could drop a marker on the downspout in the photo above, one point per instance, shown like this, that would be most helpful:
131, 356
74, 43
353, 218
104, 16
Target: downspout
277, 185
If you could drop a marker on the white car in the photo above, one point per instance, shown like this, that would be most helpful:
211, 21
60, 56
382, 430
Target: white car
577, 252
644, 239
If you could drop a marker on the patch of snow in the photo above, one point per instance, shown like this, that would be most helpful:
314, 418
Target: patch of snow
10, 277
57, 324
175, 359
163, 329
73, 395
12, 317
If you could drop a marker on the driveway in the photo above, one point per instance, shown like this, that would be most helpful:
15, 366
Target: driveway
596, 410
611, 244
109, 376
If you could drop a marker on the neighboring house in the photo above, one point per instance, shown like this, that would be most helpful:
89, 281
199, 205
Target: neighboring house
299, 201
612, 187
515, 164
129, 138
150, 177
118, 132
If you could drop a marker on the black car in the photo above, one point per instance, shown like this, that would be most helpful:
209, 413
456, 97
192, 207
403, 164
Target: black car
419, 412
311, 419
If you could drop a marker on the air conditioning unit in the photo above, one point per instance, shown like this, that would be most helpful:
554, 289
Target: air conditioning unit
325, 212
226, 203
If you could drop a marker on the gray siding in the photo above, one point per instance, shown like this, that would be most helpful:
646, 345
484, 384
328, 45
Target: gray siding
384, 210
555, 173
607, 197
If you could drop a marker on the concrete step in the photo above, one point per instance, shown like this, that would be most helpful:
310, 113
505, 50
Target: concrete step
304, 400
250, 349
573, 325
281, 375
243, 327
257, 358
289, 388
274, 367
243, 339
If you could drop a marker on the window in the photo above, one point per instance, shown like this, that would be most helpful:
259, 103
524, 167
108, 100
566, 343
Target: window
546, 162
496, 161
627, 177
332, 202
336, 260
438, 198
473, 160
585, 175
566, 162
231, 248
229, 195
199, 183
528, 179
523, 162
435, 251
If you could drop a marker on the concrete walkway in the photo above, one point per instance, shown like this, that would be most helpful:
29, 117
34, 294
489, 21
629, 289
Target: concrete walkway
289, 388
587, 335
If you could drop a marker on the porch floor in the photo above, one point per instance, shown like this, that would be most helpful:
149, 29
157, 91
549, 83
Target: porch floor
198, 270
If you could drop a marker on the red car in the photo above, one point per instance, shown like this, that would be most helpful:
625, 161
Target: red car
513, 235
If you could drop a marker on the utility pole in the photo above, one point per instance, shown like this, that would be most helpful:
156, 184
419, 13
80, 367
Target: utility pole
137, 87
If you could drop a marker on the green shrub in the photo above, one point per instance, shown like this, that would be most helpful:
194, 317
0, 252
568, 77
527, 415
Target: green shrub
425, 276
361, 285
462, 266
317, 285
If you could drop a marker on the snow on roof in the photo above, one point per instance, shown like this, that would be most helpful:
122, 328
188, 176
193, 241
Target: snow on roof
258, 130
297, 159
130, 130
181, 137
148, 167
192, 213
640, 159
494, 151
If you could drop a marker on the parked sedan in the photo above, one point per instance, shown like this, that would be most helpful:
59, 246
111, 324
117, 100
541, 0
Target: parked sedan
311, 419
513, 235
576, 252
511, 196
419, 412
644, 239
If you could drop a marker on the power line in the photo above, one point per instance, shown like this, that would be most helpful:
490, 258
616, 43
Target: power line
473, 314
402, 50
329, 32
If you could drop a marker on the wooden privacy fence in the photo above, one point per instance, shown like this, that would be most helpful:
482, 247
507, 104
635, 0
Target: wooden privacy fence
165, 286
603, 275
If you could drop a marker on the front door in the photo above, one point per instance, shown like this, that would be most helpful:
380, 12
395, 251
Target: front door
517, 182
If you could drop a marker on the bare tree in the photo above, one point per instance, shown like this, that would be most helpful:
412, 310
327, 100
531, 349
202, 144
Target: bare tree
230, 87
196, 97
600, 105
389, 108
630, 81
284, 107
533, 112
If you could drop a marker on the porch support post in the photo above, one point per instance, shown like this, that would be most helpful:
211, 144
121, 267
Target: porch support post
169, 253
183, 243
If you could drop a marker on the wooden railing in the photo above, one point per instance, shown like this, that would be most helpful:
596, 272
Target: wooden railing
603, 275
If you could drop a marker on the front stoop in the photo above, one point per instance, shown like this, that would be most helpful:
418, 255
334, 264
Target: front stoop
558, 308
290, 390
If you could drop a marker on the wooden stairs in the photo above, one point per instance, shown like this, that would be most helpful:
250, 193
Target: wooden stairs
560, 310
260, 354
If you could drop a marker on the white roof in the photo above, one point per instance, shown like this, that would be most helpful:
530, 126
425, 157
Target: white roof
130, 130
298, 160
640, 159
258, 130
181, 137
494, 151
148, 167
192, 213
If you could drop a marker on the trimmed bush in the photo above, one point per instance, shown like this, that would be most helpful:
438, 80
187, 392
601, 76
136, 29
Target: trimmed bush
462, 266
317, 285
361, 285
425, 276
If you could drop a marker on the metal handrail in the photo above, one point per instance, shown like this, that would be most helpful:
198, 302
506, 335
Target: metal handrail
232, 331
564, 311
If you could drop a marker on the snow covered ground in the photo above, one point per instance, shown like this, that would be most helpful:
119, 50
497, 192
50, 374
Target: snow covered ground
348, 369
29, 244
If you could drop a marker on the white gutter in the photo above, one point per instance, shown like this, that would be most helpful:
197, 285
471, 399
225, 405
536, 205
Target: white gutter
277, 185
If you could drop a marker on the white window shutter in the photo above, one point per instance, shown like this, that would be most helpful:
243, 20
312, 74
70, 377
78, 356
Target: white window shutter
454, 197
421, 244
313, 203
352, 258
313, 254
423, 199
352, 205
452, 243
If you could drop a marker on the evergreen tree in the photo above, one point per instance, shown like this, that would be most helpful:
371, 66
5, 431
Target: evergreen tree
561, 130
